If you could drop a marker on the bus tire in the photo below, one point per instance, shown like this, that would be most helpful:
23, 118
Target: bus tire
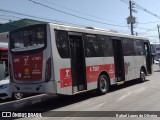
142, 76
103, 84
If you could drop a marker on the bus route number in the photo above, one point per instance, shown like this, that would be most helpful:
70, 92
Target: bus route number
36, 58
94, 69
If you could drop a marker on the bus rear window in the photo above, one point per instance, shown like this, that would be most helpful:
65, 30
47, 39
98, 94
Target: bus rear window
29, 38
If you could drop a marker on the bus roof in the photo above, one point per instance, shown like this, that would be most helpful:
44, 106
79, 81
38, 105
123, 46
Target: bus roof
95, 31
89, 30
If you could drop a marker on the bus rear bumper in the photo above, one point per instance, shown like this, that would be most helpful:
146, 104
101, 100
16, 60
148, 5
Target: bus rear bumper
27, 88
44, 87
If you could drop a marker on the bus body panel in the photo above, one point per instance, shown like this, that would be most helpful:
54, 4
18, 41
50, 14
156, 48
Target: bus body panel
31, 67
36, 84
129, 67
139, 62
94, 69
63, 77
60, 69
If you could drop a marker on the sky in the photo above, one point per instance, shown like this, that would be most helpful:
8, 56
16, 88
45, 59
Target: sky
105, 14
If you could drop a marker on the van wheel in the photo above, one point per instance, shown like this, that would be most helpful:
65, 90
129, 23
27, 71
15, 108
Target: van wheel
142, 76
17, 96
103, 84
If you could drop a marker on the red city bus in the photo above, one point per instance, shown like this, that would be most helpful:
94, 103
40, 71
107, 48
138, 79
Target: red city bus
3, 62
63, 59
3, 53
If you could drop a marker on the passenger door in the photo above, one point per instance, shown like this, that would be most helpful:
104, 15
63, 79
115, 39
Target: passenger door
78, 68
118, 60
148, 57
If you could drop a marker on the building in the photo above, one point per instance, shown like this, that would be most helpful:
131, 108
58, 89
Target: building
6, 27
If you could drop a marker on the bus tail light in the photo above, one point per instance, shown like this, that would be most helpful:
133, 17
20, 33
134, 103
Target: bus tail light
10, 72
48, 70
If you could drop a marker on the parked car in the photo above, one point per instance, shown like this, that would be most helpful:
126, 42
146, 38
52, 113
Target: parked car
5, 91
156, 62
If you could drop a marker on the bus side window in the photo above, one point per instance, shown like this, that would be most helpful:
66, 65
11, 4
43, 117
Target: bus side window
104, 46
128, 47
139, 48
91, 46
62, 43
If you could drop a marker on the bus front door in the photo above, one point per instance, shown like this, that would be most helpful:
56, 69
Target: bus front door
119, 61
77, 63
148, 57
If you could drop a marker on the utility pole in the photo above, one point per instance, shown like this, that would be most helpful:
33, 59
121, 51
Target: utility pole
130, 7
158, 33
131, 19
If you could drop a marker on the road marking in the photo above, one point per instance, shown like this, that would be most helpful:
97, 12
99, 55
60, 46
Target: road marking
131, 93
95, 107
124, 96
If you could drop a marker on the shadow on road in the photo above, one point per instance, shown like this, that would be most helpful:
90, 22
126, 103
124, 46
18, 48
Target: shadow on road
127, 84
157, 71
12, 99
63, 101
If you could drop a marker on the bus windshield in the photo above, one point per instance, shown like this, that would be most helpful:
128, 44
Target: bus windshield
29, 38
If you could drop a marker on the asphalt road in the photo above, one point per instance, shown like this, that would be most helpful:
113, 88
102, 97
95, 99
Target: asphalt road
132, 96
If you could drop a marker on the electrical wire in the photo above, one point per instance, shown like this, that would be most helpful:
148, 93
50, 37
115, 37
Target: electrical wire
38, 3
82, 13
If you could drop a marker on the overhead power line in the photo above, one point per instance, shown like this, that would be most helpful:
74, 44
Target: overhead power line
38, 3
125, 1
31, 16
149, 12
46, 6
142, 8
10, 16
149, 30
150, 22
82, 13
37, 18
4, 19
46, 19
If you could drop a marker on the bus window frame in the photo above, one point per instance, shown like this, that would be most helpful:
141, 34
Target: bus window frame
86, 44
142, 45
109, 42
131, 42
63, 56
28, 51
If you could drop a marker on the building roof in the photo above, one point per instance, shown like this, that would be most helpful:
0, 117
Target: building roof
16, 24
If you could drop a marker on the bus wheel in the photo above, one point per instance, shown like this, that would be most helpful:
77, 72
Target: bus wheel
103, 84
142, 76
